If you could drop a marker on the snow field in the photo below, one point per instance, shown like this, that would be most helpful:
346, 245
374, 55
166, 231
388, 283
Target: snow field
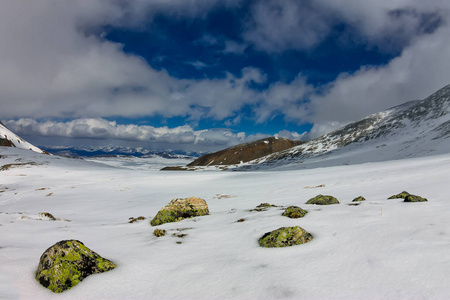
381, 249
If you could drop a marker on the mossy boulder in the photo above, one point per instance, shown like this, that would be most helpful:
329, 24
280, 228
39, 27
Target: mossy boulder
359, 199
179, 209
294, 212
65, 264
414, 198
323, 200
402, 195
285, 237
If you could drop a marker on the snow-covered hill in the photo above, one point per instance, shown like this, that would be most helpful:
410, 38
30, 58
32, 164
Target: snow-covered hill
10, 139
414, 129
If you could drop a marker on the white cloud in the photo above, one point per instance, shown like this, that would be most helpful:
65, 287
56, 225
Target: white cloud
420, 70
278, 25
101, 129
292, 135
53, 67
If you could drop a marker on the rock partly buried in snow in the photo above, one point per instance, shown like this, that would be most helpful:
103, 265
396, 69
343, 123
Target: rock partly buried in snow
294, 212
414, 198
66, 263
285, 237
159, 232
359, 199
263, 207
323, 200
402, 195
179, 209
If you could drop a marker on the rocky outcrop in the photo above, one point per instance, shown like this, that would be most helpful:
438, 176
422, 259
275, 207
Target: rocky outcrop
285, 237
294, 212
245, 152
179, 209
402, 195
65, 264
359, 199
323, 200
414, 198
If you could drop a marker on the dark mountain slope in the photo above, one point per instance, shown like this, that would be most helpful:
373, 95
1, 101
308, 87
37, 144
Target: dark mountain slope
245, 152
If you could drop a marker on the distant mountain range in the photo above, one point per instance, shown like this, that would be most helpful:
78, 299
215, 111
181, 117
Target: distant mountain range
112, 151
413, 129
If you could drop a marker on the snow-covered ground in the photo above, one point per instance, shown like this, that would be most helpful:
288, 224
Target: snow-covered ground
139, 163
381, 249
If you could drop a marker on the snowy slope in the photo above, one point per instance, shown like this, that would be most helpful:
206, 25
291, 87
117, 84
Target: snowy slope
381, 249
8, 138
414, 129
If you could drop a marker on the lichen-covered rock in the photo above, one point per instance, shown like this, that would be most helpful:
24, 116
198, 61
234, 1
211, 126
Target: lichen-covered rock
402, 195
323, 200
179, 209
159, 232
294, 212
285, 237
359, 199
66, 263
133, 220
263, 207
414, 198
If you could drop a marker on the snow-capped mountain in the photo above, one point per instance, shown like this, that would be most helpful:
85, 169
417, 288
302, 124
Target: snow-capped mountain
413, 129
111, 151
10, 139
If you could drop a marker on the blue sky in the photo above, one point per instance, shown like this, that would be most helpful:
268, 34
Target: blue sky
206, 75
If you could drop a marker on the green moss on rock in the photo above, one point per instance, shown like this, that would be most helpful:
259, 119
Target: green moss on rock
294, 212
359, 199
323, 200
402, 195
65, 264
414, 198
179, 209
285, 237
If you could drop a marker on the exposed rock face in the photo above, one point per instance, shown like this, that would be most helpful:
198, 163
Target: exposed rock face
359, 199
179, 209
285, 237
294, 212
66, 263
323, 200
414, 198
245, 152
402, 195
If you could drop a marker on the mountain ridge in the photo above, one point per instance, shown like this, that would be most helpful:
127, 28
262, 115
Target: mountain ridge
412, 129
